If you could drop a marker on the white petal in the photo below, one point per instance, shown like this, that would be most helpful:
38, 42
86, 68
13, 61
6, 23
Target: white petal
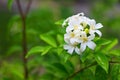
69, 28
77, 50
91, 45
65, 21
92, 31
98, 26
81, 14
98, 32
91, 37
67, 47
66, 38
92, 22
71, 50
72, 40
82, 47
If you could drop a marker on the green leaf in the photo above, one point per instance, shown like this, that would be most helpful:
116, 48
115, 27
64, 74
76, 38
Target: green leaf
38, 49
85, 54
69, 66
60, 39
57, 69
13, 49
115, 52
60, 22
46, 76
115, 72
111, 45
9, 3
48, 39
102, 61
102, 41
84, 75
100, 74
47, 48
59, 50
65, 56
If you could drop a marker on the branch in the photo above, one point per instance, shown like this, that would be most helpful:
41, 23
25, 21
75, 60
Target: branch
24, 40
20, 8
28, 7
93, 64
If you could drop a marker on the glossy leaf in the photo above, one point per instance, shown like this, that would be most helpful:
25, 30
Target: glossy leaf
102, 41
84, 55
111, 45
59, 50
60, 22
48, 39
115, 52
102, 60
60, 39
57, 69
84, 75
115, 72
65, 56
39, 49
100, 73
47, 48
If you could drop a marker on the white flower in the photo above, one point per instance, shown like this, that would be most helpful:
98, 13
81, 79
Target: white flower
73, 18
72, 37
80, 33
72, 48
87, 41
75, 25
94, 27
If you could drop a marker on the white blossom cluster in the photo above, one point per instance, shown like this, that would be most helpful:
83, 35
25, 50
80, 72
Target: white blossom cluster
80, 33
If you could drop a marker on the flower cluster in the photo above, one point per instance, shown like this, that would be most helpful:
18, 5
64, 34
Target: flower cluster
80, 33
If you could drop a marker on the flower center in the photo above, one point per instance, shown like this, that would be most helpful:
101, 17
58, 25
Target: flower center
75, 27
85, 39
92, 27
72, 35
86, 30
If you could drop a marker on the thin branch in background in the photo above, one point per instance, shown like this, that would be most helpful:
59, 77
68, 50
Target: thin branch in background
93, 64
24, 40
28, 7
74, 74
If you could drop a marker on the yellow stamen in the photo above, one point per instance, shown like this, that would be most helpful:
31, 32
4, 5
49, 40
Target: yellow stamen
92, 27
72, 35
75, 27
87, 30
85, 39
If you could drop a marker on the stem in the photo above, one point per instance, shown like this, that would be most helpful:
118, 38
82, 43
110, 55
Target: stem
93, 64
28, 7
24, 40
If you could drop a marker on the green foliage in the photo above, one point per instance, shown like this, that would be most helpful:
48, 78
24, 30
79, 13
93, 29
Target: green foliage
98, 73
102, 60
59, 22
48, 39
9, 3
39, 49
115, 52
115, 72
111, 45
47, 60
102, 41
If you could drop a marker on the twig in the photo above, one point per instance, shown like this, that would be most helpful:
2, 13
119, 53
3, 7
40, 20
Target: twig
93, 64
28, 7
24, 40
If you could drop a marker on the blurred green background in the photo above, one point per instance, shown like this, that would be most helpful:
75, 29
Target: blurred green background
41, 19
